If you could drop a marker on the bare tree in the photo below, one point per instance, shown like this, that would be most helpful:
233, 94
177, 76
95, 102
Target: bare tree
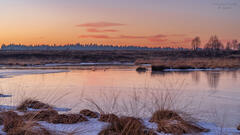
235, 44
214, 44
228, 46
196, 42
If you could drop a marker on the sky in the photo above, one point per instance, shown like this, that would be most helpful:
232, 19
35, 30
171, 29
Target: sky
152, 23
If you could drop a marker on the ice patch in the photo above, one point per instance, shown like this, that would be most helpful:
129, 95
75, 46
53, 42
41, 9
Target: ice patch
91, 127
88, 64
7, 73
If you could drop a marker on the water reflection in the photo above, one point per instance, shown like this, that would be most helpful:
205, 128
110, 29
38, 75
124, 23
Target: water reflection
213, 78
196, 77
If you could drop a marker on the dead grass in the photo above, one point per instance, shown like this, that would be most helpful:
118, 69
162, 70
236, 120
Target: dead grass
15, 125
68, 118
179, 127
164, 115
89, 113
34, 104
194, 63
108, 118
126, 126
171, 122
238, 127
43, 115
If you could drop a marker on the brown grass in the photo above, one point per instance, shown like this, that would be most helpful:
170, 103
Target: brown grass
238, 127
43, 115
34, 104
194, 63
178, 127
108, 118
89, 113
68, 118
15, 125
171, 122
126, 126
164, 115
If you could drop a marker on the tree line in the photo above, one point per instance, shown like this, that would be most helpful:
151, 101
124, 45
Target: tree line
215, 44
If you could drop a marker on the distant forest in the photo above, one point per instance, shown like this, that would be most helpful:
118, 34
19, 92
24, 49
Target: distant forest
17, 47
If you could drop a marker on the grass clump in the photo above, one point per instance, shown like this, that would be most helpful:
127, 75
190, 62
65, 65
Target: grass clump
43, 115
13, 124
108, 118
126, 126
164, 115
34, 104
238, 127
89, 113
171, 122
68, 119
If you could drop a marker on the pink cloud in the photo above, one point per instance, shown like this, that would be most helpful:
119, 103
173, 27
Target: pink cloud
99, 31
94, 36
100, 24
132, 37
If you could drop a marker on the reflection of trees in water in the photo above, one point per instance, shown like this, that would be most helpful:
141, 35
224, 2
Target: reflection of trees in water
213, 78
196, 76
158, 73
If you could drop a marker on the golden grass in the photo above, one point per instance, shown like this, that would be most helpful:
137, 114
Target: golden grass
194, 63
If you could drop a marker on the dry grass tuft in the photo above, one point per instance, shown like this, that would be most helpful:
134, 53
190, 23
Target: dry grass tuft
11, 120
238, 127
108, 118
89, 113
164, 115
68, 118
43, 115
126, 126
178, 127
15, 125
171, 122
34, 104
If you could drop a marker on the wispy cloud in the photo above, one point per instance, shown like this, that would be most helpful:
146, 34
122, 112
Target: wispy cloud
100, 24
155, 38
94, 30
95, 36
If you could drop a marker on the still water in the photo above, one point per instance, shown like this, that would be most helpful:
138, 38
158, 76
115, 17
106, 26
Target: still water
212, 96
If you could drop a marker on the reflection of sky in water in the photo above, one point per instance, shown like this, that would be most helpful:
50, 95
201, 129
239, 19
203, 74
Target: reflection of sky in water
212, 95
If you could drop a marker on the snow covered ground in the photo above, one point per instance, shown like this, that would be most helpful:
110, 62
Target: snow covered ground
7, 73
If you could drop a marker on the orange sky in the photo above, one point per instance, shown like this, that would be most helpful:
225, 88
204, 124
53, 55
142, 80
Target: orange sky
120, 22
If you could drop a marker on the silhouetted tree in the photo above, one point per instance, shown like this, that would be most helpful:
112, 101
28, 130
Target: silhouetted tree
214, 44
196, 42
228, 46
235, 44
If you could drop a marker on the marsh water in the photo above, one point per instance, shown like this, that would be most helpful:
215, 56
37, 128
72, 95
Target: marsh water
212, 96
